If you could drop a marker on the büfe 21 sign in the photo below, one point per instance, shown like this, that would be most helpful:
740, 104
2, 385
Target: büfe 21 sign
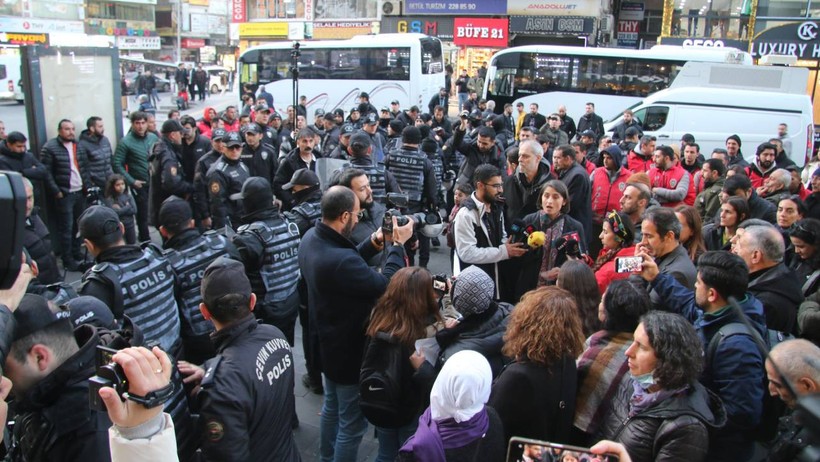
481, 32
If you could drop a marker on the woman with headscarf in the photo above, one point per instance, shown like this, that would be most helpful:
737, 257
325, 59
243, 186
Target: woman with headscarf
535, 395
617, 237
483, 320
458, 426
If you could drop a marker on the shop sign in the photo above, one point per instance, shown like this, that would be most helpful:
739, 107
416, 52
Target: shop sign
798, 39
706, 43
198, 2
631, 11
120, 28
36, 26
308, 10
139, 43
14, 38
340, 29
476, 7
192, 43
628, 33
479, 32
263, 29
553, 8
238, 11
434, 27
551, 25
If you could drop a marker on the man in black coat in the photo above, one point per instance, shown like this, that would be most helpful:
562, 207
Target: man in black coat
67, 165
99, 151
478, 151
591, 121
576, 179
49, 364
534, 119
741, 186
37, 241
342, 290
15, 157
165, 164
303, 156
522, 189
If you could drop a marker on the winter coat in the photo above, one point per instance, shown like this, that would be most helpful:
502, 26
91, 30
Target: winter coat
473, 157
37, 242
160, 446
57, 162
521, 197
482, 332
592, 122
607, 189
25, 164
780, 291
580, 202
672, 430
99, 152
637, 163
131, 156
606, 273
204, 124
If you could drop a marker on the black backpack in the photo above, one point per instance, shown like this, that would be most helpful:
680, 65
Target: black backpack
381, 389
773, 407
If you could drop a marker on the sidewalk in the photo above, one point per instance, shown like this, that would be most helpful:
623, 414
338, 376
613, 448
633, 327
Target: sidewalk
167, 101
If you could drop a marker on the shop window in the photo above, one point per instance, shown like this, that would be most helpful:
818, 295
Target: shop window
276, 9
431, 56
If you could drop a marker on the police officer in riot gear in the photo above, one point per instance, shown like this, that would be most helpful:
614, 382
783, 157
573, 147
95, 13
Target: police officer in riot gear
304, 185
381, 180
225, 179
130, 280
202, 200
259, 157
415, 174
268, 246
269, 136
189, 252
330, 137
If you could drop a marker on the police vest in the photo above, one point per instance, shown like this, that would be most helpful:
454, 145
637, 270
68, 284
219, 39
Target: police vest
278, 275
377, 177
408, 168
189, 264
308, 211
144, 288
438, 168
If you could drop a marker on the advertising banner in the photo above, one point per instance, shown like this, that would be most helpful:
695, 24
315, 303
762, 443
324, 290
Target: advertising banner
480, 32
432, 26
471, 7
553, 8
551, 25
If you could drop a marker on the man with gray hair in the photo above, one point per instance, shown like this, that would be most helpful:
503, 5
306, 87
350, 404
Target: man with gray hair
792, 372
774, 284
775, 186
522, 189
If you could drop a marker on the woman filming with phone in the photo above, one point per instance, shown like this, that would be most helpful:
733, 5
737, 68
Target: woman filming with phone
617, 238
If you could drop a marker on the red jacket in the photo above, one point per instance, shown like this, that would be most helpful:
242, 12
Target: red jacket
589, 166
637, 163
606, 273
606, 193
758, 177
674, 182
204, 124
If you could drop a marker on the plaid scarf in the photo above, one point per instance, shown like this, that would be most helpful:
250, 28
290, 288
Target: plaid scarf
601, 370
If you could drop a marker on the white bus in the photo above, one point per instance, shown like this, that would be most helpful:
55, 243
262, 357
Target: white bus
404, 67
614, 79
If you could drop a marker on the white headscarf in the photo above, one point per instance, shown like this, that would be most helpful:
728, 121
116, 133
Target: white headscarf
462, 387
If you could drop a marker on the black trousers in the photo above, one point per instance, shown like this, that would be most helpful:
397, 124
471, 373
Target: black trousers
141, 200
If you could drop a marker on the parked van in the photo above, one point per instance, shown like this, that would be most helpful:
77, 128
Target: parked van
11, 78
748, 102
217, 78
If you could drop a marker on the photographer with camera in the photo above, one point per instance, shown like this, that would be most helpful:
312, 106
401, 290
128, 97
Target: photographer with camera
416, 177
140, 433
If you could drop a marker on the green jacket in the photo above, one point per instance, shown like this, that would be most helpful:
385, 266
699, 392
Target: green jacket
132, 152
708, 201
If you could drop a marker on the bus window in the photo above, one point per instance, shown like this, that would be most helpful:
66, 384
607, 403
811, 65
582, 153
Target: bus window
501, 82
2, 71
431, 56
653, 117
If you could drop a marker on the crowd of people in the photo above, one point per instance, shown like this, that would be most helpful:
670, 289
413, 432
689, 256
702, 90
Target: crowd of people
699, 347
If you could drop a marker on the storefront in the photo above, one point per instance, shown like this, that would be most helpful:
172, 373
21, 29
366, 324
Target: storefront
441, 27
553, 22
478, 39
257, 33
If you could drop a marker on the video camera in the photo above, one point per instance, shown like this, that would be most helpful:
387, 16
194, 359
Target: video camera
94, 196
109, 374
400, 201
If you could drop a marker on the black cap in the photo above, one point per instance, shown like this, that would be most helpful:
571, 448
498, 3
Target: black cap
217, 134
91, 310
172, 125
348, 129
411, 135
302, 177
355, 109
329, 116
33, 315
339, 112
371, 119
364, 95
361, 139
385, 109
261, 107
395, 101
100, 224
632, 131
174, 211
396, 125
319, 112
429, 146
275, 115
256, 190
588, 133
223, 277
233, 139
252, 127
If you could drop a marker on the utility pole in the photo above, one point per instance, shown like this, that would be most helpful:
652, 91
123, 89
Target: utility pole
178, 11
294, 71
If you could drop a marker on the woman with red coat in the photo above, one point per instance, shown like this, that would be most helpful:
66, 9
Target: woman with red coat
204, 124
617, 238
